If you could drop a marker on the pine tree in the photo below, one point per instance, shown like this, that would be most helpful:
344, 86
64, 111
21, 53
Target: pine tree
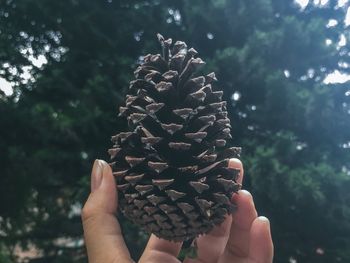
271, 58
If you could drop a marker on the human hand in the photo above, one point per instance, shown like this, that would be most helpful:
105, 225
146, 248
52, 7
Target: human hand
241, 238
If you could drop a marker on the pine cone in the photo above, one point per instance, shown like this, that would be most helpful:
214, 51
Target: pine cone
172, 165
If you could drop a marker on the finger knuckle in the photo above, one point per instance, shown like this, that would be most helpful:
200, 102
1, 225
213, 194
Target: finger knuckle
87, 212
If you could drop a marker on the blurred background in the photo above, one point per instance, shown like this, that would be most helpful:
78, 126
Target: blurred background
283, 65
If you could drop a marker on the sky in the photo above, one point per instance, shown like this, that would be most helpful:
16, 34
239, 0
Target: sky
5, 87
304, 3
39, 62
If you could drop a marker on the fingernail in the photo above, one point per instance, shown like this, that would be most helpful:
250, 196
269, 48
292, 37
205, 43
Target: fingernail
106, 168
96, 175
264, 219
245, 192
235, 163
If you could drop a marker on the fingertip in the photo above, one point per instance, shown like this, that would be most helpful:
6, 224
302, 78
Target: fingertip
106, 167
101, 173
96, 175
262, 226
261, 240
235, 163
264, 220
245, 193
243, 196
103, 197
107, 174
246, 212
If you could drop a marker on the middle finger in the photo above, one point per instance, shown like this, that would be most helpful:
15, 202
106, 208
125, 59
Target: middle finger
212, 245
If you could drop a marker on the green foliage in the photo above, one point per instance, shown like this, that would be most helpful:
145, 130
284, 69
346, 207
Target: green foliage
269, 54
4, 255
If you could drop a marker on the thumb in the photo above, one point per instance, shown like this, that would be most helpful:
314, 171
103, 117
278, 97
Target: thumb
102, 233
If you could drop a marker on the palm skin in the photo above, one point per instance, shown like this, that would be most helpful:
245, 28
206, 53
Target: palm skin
241, 238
